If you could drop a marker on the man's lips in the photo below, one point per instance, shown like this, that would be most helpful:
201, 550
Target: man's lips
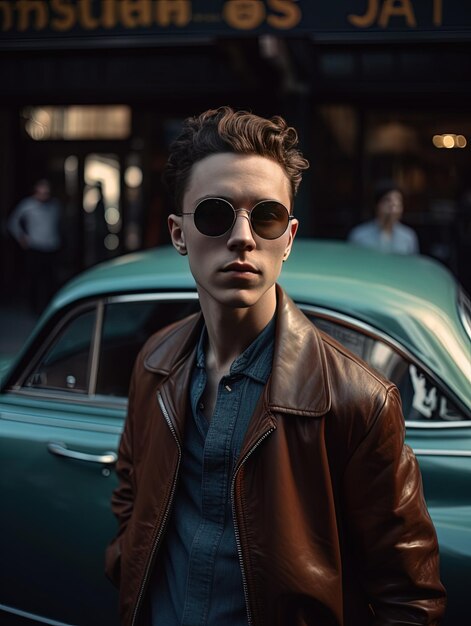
240, 267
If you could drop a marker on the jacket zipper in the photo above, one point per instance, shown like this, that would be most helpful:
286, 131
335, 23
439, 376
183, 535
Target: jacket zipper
158, 533
236, 527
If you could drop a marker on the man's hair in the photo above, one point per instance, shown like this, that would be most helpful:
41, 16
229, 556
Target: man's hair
224, 130
42, 182
384, 186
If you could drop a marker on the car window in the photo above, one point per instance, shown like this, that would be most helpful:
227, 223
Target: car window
126, 327
66, 363
422, 399
74, 361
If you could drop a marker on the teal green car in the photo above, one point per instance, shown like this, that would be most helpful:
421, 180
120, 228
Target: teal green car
63, 403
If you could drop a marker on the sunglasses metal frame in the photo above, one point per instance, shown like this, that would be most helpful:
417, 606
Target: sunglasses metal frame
235, 211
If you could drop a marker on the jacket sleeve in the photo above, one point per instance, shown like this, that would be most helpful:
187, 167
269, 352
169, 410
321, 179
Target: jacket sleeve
122, 500
392, 535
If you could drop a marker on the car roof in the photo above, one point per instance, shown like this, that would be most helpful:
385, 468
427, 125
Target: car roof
413, 299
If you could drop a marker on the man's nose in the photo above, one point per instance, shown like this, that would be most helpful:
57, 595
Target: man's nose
241, 233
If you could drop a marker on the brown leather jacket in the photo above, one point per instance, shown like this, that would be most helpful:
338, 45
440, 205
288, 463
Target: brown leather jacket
330, 519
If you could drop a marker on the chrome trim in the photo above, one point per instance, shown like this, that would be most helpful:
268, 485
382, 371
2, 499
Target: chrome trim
64, 423
81, 398
439, 425
95, 345
456, 453
60, 449
355, 323
36, 619
464, 310
145, 297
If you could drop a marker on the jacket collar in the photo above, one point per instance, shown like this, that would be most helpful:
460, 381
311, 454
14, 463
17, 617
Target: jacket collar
299, 380
178, 343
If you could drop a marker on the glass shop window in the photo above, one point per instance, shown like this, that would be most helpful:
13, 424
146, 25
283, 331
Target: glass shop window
74, 122
422, 400
66, 364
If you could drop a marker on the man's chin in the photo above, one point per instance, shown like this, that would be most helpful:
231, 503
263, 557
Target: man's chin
234, 298
238, 300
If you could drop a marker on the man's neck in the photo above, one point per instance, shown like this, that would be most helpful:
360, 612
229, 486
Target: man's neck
386, 226
232, 330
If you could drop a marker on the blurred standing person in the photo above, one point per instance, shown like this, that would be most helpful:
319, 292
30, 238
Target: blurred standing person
35, 224
100, 226
386, 233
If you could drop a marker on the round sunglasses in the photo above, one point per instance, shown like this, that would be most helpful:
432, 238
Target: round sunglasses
214, 217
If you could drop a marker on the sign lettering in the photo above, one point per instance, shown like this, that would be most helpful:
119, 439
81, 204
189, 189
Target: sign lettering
86, 16
287, 15
37, 8
402, 8
50, 20
132, 14
437, 12
65, 16
244, 14
380, 12
368, 18
176, 12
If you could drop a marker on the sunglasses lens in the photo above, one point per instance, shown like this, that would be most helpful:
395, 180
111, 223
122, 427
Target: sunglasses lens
213, 217
269, 219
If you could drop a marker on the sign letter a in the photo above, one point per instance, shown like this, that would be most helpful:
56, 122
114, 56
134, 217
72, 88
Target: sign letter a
397, 7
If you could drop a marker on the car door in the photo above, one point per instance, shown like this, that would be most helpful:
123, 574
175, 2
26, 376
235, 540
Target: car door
438, 429
60, 423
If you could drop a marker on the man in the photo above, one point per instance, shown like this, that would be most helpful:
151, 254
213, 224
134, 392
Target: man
386, 233
263, 474
35, 224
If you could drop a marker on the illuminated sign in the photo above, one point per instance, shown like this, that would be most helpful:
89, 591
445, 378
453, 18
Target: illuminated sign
90, 15
142, 21
382, 11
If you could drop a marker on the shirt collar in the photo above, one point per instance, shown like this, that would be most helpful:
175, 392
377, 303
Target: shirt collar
256, 360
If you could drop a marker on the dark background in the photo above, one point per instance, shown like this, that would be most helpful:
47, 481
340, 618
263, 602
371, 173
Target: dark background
367, 95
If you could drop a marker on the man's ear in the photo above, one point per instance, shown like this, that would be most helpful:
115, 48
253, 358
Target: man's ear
175, 226
293, 229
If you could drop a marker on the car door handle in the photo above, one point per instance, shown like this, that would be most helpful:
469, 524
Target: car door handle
60, 449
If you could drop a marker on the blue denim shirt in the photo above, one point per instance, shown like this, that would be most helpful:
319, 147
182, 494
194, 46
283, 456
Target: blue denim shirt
197, 580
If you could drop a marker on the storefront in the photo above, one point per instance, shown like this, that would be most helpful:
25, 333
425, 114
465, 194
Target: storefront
93, 92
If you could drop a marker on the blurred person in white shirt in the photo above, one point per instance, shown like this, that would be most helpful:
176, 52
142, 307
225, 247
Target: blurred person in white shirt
35, 224
385, 232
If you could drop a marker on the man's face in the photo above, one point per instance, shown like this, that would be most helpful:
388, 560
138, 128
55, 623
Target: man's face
42, 192
390, 208
238, 269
